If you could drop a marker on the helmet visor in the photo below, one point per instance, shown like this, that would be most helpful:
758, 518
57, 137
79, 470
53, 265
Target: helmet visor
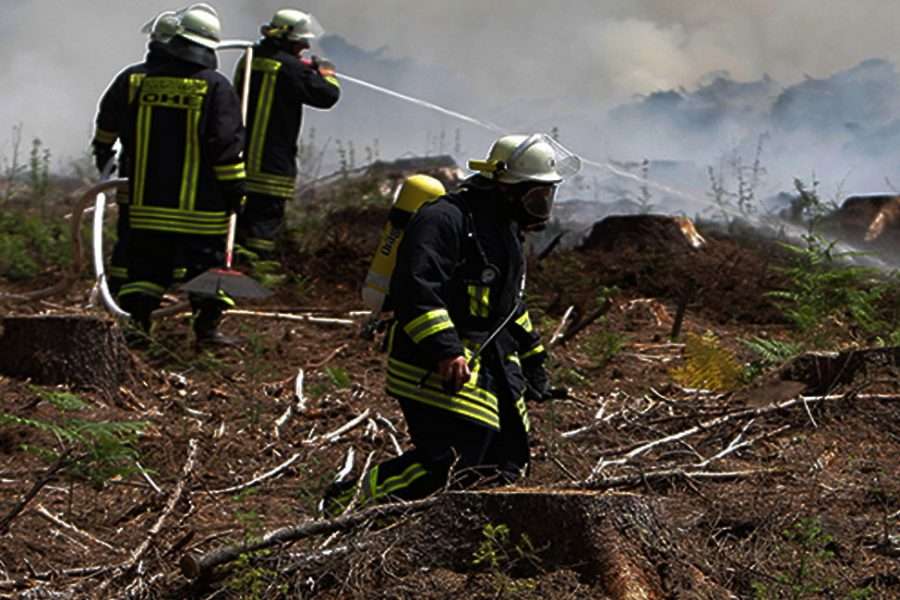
562, 162
538, 202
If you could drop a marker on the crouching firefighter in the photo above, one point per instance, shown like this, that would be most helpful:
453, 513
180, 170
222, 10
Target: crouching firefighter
183, 143
463, 354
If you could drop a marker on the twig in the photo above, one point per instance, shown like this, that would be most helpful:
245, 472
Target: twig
174, 497
328, 358
256, 480
663, 474
148, 479
39, 509
561, 327
194, 567
290, 317
582, 324
298, 405
752, 412
735, 445
60, 464
332, 437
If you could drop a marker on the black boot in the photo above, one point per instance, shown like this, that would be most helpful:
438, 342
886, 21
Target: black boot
207, 315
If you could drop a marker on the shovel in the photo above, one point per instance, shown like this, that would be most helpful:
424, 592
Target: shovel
225, 280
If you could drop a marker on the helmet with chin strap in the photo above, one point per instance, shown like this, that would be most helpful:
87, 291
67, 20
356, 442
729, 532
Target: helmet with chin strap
292, 25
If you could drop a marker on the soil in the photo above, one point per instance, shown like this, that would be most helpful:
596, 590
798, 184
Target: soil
810, 512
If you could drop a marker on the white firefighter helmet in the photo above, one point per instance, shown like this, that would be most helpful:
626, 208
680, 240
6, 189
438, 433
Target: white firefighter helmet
536, 158
162, 27
293, 25
199, 23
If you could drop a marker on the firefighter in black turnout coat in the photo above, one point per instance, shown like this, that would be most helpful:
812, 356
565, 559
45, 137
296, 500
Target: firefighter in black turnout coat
183, 143
280, 84
112, 114
459, 279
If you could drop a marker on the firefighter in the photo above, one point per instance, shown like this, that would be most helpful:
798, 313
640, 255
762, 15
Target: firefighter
112, 112
183, 143
280, 84
463, 353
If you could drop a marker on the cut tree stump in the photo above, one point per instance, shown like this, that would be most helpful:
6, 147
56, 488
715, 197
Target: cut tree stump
619, 543
823, 371
82, 351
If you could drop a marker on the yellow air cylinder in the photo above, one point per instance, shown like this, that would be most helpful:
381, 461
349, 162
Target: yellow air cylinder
413, 193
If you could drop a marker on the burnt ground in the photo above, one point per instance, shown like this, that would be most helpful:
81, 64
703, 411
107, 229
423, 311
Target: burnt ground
809, 510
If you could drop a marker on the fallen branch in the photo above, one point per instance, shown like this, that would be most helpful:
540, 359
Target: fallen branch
195, 567
653, 476
39, 509
298, 405
751, 412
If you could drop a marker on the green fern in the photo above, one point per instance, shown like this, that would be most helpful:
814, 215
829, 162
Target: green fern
772, 352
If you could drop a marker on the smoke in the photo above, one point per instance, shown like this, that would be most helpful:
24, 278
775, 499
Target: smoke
619, 80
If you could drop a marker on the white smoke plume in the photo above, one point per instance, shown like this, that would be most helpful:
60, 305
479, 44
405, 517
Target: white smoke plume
522, 63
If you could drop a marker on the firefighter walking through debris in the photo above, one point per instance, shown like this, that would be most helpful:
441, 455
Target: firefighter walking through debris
463, 354
281, 83
182, 140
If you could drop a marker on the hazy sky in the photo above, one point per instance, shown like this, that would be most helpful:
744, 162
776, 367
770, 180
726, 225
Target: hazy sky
58, 55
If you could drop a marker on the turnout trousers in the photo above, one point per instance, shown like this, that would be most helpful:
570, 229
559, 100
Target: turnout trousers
448, 451
260, 224
157, 260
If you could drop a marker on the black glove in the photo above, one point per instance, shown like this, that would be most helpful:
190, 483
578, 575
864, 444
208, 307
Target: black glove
537, 382
102, 155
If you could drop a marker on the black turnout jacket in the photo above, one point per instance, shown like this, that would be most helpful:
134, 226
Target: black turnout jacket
280, 84
459, 273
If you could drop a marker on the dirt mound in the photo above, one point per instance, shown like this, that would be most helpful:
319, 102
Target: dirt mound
667, 258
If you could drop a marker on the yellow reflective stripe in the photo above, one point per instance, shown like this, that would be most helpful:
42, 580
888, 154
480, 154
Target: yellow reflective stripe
186, 229
404, 479
118, 272
525, 322
148, 288
523, 413
162, 212
471, 391
142, 143
513, 358
230, 172
438, 399
428, 324
134, 83
283, 180
260, 244
332, 80
103, 136
539, 349
179, 273
191, 169
269, 190
225, 299
479, 300
269, 68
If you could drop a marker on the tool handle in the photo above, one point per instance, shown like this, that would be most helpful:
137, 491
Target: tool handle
245, 101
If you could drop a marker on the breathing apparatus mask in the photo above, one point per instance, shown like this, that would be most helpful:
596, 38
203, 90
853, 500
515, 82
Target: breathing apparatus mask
529, 169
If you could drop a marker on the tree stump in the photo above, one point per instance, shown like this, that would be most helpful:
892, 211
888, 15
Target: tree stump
644, 233
83, 351
823, 371
619, 543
